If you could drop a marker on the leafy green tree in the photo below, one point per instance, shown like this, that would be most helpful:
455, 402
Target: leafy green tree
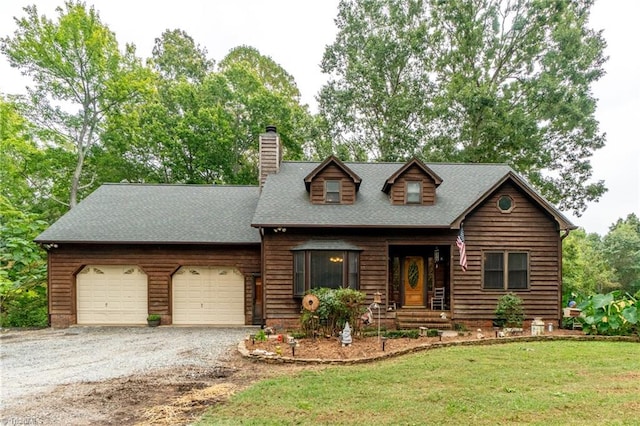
79, 75
377, 99
471, 81
585, 269
176, 56
272, 76
16, 147
32, 177
23, 269
205, 129
621, 247
264, 93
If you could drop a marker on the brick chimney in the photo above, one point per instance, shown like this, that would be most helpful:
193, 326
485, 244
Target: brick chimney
270, 153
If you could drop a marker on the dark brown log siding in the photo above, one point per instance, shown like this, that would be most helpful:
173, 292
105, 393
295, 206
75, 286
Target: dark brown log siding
526, 228
283, 308
158, 262
398, 191
332, 172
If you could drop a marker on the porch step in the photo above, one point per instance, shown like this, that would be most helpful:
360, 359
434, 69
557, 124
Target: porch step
416, 318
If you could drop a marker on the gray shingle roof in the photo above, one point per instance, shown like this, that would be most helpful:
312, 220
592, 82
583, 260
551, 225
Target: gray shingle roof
285, 202
203, 214
139, 213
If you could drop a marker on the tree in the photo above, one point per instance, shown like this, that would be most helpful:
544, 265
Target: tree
16, 147
32, 176
470, 81
177, 56
585, 270
205, 129
378, 96
621, 247
264, 93
23, 269
272, 76
79, 75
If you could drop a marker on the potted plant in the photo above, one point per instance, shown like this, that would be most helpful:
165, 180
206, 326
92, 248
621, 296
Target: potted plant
153, 320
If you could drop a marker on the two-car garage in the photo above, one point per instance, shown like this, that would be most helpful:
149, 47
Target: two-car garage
201, 295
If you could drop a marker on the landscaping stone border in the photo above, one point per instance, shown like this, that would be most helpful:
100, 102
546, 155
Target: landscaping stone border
276, 359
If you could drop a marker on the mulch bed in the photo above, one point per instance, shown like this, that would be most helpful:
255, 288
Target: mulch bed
330, 350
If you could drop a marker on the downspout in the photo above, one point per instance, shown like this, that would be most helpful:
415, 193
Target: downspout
562, 237
263, 275
47, 248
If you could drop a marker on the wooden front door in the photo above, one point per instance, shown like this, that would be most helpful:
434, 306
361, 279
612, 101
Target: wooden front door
413, 281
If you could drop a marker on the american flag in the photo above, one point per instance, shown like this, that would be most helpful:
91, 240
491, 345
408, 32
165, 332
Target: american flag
463, 251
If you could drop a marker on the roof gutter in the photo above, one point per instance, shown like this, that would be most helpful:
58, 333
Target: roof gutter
54, 244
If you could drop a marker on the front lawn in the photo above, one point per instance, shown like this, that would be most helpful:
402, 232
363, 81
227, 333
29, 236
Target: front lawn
544, 383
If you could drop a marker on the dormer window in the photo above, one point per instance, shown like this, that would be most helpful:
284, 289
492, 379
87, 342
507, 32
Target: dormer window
414, 192
413, 183
332, 191
332, 182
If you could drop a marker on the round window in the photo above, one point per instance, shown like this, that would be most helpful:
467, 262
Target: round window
505, 204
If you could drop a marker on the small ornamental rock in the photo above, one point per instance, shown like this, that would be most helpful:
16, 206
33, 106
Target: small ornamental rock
345, 336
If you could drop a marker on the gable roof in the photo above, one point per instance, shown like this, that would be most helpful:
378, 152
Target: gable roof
463, 186
332, 160
169, 214
414, 162
513, 177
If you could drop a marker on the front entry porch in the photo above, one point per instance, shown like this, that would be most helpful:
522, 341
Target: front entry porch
419, 285
419, 277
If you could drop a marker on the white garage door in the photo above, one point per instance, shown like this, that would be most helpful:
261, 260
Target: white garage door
111, 295
208, 295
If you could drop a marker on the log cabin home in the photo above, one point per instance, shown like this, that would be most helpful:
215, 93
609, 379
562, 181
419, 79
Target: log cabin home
246, 255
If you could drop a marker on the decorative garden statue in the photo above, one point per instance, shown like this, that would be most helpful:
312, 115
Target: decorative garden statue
345, 336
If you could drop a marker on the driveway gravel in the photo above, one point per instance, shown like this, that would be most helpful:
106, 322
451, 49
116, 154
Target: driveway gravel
36, 361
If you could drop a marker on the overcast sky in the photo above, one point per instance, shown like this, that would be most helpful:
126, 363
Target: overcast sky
294, 33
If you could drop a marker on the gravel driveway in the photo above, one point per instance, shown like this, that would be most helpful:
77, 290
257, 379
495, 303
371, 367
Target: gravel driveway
35, 361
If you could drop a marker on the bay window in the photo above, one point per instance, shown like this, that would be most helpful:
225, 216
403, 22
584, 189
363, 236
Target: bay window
324, 268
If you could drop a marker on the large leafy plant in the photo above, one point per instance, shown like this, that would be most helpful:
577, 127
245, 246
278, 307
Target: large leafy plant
611, 314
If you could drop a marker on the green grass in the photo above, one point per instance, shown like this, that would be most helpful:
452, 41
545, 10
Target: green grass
541, 383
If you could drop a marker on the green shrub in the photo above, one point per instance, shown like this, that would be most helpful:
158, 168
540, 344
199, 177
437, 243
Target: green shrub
297, 334
261, 336
611, 314
459, 326
335, 309
432, 332
24, 308
372, 331
398, 334
509, 311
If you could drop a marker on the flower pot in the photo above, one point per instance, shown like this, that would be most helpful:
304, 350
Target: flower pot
153, 323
